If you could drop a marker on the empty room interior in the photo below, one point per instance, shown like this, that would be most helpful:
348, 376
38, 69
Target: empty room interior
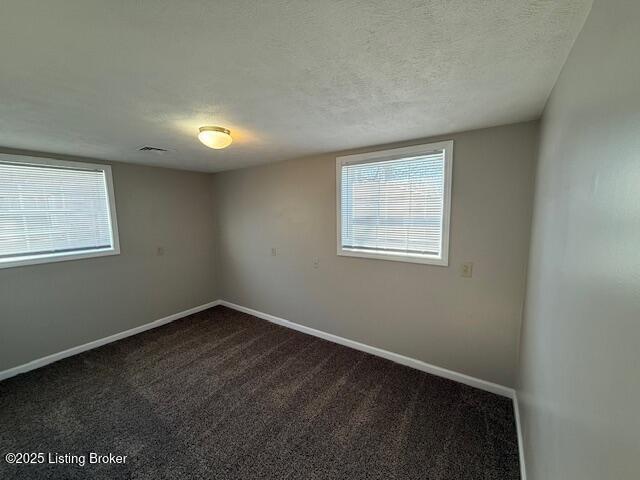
358, 239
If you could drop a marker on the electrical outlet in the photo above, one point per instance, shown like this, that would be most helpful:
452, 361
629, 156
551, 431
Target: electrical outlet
274, 251
316, 262
467, 270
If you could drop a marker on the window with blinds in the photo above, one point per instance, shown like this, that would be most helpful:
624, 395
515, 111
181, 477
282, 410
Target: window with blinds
52, 210
394, 204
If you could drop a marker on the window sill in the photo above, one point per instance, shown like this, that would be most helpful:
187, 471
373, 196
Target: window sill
395, 257
56, 257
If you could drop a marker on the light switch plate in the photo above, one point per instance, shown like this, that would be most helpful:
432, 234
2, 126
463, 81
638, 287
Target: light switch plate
466, 270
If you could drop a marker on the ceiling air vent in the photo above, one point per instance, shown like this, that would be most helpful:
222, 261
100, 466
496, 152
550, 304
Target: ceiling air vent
147, 148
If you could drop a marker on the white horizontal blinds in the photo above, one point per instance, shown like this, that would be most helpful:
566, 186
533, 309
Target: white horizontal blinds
45, 209
394, 206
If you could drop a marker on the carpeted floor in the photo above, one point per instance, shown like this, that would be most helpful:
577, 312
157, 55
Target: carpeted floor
223, 395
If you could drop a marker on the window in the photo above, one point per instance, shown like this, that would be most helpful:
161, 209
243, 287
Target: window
394, 204
52, 211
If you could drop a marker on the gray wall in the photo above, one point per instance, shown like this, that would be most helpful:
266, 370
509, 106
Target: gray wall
51, 307
422, 311
580, 373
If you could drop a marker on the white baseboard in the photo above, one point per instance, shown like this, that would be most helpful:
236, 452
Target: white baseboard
394, 357
516, 412
41, 362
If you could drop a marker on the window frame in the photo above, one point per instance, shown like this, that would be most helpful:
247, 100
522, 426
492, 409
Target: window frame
396, 153
77, 255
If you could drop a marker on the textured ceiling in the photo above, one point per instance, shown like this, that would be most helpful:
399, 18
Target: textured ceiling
290, 78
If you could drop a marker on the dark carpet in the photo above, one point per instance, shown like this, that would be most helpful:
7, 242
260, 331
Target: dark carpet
223, 395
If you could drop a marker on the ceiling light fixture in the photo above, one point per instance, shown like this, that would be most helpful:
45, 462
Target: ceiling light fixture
215, 137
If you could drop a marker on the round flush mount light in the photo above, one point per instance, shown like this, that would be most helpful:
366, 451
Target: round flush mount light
215, 137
